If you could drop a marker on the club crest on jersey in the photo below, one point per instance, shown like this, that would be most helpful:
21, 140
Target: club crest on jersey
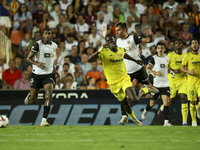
54, 49
128, 41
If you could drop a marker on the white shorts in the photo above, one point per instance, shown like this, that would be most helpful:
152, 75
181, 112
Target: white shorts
5, 21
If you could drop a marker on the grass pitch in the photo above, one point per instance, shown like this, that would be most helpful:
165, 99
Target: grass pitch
99, 138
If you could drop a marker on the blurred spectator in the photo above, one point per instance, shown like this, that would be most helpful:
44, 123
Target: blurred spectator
117, 13
23, 83
171, 4
10, 75
37, 37
133, 13
122, 4
94, 37
69, 82
130, 25
53, 26
162, 25
112, 25
69, 42
90, 50
80, 78
63, 36
48, 5
86, 38
32, 6
152, 18
192, 27
62, 24
22, 19
24, 44
108, 17
85, 66
170, 47
14, 5
195, 14
91, 85
99, 65
141, 7
100, 24
71, 65
94, 72
89, 16
142, 57
102, 84
181, 15
81, 47
185, 35
144, 22
153, 52
95, 4
74, 57
64, 71
109, 7
43, 24
174, 28
197, 35
145, 50
167, 14
29, 69
5, 23
81, 26
71, 15
38, 15
64, 4
3, 66
198, 3
62, 47
56, 12
59, 59
18, 64
138, 31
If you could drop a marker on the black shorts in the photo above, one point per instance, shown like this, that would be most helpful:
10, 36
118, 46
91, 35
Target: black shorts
162, 91
38, 81
141, 75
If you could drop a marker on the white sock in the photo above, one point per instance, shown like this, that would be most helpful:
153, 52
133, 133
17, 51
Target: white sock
166, 121
44, 119
184, 122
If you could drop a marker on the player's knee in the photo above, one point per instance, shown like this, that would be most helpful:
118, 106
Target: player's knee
152, 103
33, 100
133, 99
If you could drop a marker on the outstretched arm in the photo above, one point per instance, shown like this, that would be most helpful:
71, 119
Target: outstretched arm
190, 72
93, 57
148, 32
127, 56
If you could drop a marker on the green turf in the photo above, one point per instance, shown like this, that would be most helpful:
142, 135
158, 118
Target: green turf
99, 138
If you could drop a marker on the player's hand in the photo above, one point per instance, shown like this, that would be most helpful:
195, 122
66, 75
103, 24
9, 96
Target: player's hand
41, 65
140, 62
159, 73
192, 72
148, 31
104, 31
57, 75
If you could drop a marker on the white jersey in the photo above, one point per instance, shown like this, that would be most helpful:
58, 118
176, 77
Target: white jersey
160, 64
130, 44
44, 53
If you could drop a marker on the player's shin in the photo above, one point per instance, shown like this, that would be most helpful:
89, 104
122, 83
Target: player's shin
193, 112
184, 111
166, 114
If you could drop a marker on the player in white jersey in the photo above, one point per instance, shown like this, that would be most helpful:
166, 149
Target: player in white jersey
158, 64
42, 58
130, 44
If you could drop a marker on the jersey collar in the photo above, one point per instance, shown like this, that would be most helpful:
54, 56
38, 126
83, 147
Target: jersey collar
46, 44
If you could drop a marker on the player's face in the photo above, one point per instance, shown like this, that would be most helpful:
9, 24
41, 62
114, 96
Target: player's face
194, 45
120, 32
111, 41
160, 49
47, 36
178, 45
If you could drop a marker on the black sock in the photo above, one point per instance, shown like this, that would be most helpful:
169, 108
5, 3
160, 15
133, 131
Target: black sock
123, 111
148, 107
166, 112
46, 111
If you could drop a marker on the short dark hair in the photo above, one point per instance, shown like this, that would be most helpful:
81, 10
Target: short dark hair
67, 57
138, 25
152, 47
37, 32
194, 39
46, 29
109, 34
178, 40
122, 25
160, 43
158, 30
66, 64
40, 4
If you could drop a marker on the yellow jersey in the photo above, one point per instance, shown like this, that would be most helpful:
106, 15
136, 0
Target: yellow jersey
192, 61
113, 64
175, 61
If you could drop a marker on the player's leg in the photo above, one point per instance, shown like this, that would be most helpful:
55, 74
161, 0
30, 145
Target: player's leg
198, 106
124, 118
165, 99
184, 108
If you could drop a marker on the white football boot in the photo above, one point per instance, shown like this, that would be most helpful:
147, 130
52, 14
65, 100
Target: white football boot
144, 114
26, 100
123, 120
137, 122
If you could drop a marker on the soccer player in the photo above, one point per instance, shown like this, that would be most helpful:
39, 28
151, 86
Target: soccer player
116, 74
134, 70
178, 83
191, 61
42, 58
158, 64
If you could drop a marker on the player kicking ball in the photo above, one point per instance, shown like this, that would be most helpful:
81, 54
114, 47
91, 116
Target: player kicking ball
41, 57
191, 61
158, 64
112, 58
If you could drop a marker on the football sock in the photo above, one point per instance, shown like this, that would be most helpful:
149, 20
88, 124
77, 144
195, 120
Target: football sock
46, 111
198, 106
184, 111
162, 107
132, 115
145, 90
166, 112
148, 107
123, 111
193, 112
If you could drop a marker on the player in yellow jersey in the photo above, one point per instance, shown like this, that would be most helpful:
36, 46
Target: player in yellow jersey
191, 61
177, 83
112, 58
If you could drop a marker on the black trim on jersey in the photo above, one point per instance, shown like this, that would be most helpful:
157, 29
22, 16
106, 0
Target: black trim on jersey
126, 37
35, 48
137, 39
151, 61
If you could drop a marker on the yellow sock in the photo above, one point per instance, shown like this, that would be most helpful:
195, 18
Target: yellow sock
184, 111
132, 115
193, 112
198, 106
162, 107
145, 90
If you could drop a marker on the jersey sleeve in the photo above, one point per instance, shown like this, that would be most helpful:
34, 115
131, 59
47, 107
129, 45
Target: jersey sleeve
100, 54
185, 60
137, 39
151, 61
35, 48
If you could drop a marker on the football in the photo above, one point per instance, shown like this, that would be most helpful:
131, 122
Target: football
4, 121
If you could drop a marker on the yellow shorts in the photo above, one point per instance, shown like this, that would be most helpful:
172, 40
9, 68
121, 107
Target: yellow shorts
193, 91
178, 86
119, 89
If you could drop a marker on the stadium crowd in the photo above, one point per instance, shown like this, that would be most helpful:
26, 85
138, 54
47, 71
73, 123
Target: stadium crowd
77, 29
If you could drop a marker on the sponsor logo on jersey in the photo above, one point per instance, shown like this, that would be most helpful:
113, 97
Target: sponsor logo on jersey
54, 49
196, 62
163, 66
51, 55
178, 62
128, 41
117, 60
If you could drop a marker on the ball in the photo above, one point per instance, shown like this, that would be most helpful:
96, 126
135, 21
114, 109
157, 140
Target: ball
4, 121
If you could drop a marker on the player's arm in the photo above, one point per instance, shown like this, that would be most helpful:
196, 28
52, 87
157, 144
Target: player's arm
150, 67
56, 73
31, 55
148, 32
127, 56
94, 56
190, 72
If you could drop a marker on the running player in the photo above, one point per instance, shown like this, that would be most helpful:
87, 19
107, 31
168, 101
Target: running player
130, 44
41, 57
178, 83
191, 61
116, 74
158, 64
